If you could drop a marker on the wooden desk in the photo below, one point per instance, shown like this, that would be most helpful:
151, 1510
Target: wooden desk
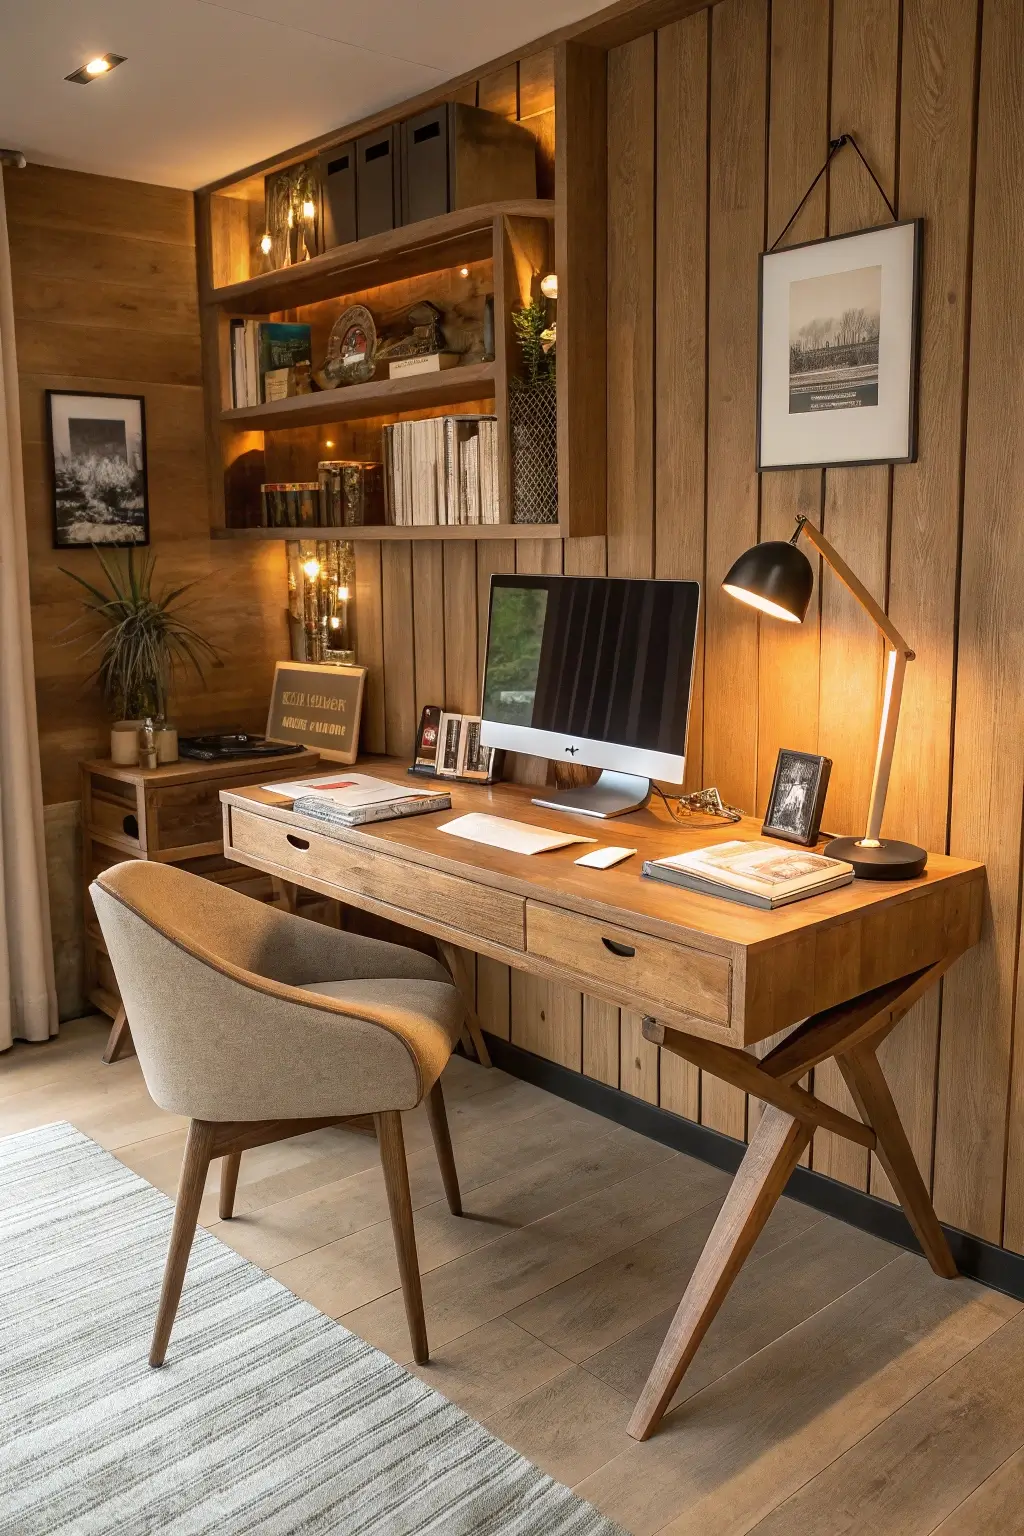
712, 978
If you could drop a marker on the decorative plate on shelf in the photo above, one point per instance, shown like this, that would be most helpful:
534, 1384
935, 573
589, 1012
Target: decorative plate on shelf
351, 349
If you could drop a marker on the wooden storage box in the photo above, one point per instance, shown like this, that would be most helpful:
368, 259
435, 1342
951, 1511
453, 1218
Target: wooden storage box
456, 156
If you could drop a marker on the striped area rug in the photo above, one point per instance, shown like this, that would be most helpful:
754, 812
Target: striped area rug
267, 1418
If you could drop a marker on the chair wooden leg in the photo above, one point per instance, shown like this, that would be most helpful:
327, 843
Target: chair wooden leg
455, 959
228, 1184
396, 1180
443, 1147
773, 1153
119, 1041
198, 1151
870, 1093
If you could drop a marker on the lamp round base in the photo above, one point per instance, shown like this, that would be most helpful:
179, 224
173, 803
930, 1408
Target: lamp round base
889, 861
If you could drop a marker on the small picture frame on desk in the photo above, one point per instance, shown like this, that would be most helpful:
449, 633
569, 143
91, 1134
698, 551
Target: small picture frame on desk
448, 746
797, 800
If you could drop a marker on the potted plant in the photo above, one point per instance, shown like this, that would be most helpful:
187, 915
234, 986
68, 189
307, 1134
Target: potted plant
144, 642
533, 418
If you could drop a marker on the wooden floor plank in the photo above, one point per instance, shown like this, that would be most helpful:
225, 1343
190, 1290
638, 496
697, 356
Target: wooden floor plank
995, 1506
495, 1365
782, 1284
519, 1265
591, 1311
726, 1457
921, 1464
569, 1427
358, 1269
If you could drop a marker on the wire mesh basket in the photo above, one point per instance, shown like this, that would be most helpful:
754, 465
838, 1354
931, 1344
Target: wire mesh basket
533, 420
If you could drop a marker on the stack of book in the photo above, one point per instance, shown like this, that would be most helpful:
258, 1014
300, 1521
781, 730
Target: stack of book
354, 799
443, 470
259, 347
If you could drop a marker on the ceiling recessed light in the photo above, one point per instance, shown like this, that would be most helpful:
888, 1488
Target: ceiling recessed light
102, 64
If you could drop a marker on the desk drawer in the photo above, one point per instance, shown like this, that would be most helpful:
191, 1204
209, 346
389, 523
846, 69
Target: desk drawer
655, 970
477, 910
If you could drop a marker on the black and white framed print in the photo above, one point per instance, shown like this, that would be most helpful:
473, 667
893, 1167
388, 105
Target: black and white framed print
98, 449
839, 322
797, 798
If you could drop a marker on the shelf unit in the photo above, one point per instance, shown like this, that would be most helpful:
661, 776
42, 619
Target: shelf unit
502, 248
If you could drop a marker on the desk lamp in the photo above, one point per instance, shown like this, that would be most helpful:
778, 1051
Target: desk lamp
776, 578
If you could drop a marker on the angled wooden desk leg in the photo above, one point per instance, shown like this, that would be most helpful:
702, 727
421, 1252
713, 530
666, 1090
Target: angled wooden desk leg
119, 1041
851, 1033
870, 1092
773, 1153
452, 958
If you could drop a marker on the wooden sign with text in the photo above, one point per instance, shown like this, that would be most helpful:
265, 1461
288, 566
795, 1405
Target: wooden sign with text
318, 706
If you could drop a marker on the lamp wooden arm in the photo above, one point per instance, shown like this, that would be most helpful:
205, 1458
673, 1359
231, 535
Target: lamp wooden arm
896, 666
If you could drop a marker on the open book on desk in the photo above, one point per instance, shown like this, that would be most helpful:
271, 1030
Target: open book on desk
758, 874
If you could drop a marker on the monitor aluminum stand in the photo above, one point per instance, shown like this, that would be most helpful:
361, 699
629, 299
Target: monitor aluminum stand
614, 794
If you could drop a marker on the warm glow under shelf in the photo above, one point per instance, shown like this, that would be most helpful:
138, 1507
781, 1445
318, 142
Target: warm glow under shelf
388, 533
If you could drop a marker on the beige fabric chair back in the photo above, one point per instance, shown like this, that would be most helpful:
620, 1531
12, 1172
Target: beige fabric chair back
212, 984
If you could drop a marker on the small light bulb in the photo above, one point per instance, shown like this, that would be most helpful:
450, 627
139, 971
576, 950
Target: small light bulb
97, 67
335, 622
328, 443
267, 243
549, 286
311, 569
463, 271
343, 594
309, 209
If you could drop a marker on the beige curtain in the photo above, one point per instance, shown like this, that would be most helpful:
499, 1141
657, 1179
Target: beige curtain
28, 997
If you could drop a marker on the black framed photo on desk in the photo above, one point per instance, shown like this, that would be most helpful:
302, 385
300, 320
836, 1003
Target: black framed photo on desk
797, 800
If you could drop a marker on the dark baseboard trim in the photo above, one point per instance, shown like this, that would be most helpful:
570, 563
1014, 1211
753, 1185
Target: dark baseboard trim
995, 1267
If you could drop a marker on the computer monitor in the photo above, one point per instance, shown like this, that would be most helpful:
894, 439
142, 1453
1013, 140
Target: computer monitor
592, 670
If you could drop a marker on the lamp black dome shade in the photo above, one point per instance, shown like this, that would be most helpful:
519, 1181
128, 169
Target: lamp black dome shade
774, 576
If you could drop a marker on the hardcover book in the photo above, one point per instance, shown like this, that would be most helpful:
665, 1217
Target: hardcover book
758, 874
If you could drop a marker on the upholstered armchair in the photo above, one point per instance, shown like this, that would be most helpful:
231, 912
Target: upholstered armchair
259, 1025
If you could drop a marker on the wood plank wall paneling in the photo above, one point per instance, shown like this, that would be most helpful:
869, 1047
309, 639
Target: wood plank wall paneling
978, 1041
105, 300
717, 125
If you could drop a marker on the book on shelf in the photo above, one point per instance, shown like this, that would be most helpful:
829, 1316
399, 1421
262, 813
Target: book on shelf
442, 471
758, 873
259, 347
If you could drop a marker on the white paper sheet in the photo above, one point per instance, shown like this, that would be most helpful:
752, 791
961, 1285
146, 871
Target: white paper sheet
515, 836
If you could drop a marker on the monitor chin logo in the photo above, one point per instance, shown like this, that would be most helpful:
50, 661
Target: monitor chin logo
572, 751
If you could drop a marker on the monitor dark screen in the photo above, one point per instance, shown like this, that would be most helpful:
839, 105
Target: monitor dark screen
594, 657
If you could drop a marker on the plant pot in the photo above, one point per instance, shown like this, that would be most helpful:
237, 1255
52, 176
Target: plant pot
533, 421
124, 742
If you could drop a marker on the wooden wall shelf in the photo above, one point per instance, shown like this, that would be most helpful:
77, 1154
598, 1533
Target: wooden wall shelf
381, 397
447, 241
388, 532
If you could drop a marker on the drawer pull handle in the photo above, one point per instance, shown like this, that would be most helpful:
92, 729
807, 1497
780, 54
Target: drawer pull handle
626, 950
298, 842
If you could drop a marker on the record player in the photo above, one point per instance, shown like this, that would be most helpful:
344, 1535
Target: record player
222, 747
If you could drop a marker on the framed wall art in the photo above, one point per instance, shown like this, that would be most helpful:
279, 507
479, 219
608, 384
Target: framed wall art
98, 458
837, 358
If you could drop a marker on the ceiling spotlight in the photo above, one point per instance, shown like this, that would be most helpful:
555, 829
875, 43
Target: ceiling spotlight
101, 65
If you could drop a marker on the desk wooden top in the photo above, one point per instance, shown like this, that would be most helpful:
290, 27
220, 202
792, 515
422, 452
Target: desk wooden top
622, 890
786, 963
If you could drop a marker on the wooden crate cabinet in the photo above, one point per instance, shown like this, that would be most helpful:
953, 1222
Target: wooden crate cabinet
171, 815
